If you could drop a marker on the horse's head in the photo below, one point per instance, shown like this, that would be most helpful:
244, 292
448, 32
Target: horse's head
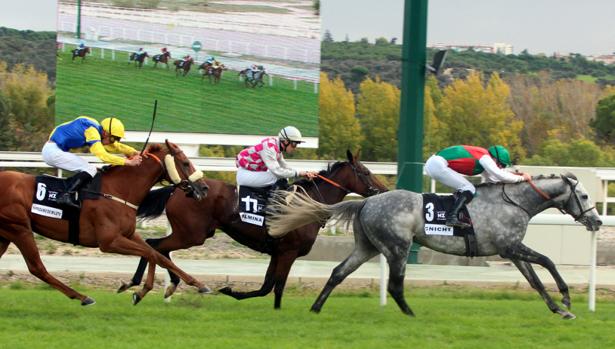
179, 170
575, 201
353, 177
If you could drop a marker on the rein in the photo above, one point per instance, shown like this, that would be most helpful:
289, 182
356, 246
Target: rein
333, 183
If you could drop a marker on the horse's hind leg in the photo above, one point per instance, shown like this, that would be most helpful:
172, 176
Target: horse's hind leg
138, 275
24, 240
362, 252
266, 287
525, 253
397, 270
530, 275
4, 245
285, 262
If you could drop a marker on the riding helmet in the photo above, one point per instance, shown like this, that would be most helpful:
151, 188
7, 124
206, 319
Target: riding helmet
500, 154
290, 133
113, 126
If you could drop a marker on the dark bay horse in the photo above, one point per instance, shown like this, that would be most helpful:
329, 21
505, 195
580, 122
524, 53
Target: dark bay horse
182, 67
194, 222
138, 58
80, 52
253, 79
211, 71
389, 222
162, 58
107, 223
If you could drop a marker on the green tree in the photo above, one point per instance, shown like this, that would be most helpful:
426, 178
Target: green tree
578, 152
339, 129
604, 122
378, 110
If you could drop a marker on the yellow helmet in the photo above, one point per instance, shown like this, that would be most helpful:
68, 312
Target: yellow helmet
113, 126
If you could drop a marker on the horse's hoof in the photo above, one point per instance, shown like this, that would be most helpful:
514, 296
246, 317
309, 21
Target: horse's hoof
204, 290
170, 290
136, 299
226, 290
568, 315
124, 286
88, 301
315, 310
566, 303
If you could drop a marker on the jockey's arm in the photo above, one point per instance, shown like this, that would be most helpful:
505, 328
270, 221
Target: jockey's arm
269, 158
99, 150
494, 174
122, 148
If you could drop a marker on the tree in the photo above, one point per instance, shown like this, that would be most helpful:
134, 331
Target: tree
434, 133
578, 152
604, 122
378, 110
339, 129
327, 37
480, 115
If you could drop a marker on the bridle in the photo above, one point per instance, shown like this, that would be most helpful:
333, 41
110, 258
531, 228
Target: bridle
548, 198
363, 177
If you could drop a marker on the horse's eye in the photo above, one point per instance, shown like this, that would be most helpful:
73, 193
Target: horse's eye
584, 197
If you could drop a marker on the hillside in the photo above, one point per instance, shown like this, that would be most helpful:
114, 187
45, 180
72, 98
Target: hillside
29, 47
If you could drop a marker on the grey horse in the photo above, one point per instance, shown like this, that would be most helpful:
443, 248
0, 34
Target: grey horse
388, 223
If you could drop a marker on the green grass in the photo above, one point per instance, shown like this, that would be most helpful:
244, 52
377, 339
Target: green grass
447, 317
103, 87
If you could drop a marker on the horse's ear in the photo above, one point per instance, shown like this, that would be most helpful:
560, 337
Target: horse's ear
349, 156
568, 176
357, 155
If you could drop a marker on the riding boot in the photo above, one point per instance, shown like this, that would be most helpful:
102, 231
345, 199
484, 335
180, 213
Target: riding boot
281, 184
461, 198
68, 197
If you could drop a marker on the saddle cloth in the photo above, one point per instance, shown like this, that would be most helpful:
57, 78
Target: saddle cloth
435, 208
252, 204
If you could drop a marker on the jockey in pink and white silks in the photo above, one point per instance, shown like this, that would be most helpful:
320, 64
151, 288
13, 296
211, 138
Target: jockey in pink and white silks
263, 164
449, 165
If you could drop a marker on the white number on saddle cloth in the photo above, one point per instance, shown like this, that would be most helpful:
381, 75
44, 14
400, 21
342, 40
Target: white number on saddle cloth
251, 206
41, 190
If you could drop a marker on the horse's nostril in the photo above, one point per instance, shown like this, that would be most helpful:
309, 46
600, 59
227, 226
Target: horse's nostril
599, 222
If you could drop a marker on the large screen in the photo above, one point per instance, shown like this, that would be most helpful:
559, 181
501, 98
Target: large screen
230, 67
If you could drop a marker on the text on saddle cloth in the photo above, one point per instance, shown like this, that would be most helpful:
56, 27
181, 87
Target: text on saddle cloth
435, 208
252, 204
49, 188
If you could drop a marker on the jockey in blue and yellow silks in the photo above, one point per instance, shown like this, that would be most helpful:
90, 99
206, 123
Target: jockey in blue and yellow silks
450, 164
101, 138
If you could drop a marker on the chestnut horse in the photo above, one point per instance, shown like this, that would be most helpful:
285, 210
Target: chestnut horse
209, 70
194, 222
80, 52
182, 65
107, 223
138, 58
162, 58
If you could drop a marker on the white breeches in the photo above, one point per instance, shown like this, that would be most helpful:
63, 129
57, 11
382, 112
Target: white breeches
56, 157
437, 168
254, 178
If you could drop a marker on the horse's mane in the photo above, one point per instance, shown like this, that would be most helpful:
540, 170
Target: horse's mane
152, 148
330, 169
538, 177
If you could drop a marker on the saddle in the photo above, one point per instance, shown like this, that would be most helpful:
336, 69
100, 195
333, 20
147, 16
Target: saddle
435, 208
253, 202
47, 191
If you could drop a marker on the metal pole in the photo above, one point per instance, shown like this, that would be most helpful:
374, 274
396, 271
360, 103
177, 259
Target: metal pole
78, 32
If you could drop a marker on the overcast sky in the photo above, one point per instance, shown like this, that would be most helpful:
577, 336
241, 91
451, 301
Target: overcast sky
541, 26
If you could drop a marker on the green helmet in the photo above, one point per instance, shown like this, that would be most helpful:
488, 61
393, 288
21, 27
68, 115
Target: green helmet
500, 154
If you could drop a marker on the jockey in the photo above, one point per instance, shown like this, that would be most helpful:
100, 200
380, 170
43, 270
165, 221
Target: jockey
250, 71
450, 164
263, 164
81, 45
139, 52
210, 60
86, 131
163, 50
185, 60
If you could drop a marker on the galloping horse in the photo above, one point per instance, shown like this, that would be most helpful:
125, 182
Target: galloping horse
162, 58
194, 222
80, 52
207, 69
388, 223
181, 65
138, 58
107, 223
256, 79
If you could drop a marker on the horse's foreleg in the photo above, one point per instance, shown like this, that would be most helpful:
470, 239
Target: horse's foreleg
397, 260
24, 240
527, 254
361, 254
147, 286
138, 275
266, 287
530, 275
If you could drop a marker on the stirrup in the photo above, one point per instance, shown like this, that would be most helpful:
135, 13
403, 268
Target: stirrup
455, 222
66, 199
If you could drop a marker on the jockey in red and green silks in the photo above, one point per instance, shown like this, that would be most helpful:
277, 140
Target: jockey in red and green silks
449, 165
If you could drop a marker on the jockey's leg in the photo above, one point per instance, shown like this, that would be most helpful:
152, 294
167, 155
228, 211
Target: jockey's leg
79, 180
461, 198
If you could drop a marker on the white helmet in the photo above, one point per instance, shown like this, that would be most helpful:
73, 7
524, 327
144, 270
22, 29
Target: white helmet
290, 133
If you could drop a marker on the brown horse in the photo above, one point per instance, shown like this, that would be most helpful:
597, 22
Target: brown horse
194, 222
138, 58
184, 66
162, 58
80, 52
107, 223
211, 71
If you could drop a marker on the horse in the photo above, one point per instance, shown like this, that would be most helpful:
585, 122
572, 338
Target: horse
107, 223
192, 223
80, 52
388, 223
207, 69
162, 58
256, 79
138, 58
182, 65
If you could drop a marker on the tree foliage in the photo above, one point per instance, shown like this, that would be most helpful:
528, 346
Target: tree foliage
578, 152
339, 128
604, 122
30, 48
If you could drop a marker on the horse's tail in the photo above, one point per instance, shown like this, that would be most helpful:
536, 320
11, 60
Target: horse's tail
288, 211
154, 203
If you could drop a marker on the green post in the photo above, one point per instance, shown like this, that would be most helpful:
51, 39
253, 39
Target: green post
410, 133
78, 32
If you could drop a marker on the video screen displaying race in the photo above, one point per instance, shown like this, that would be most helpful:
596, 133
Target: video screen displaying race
225, 66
